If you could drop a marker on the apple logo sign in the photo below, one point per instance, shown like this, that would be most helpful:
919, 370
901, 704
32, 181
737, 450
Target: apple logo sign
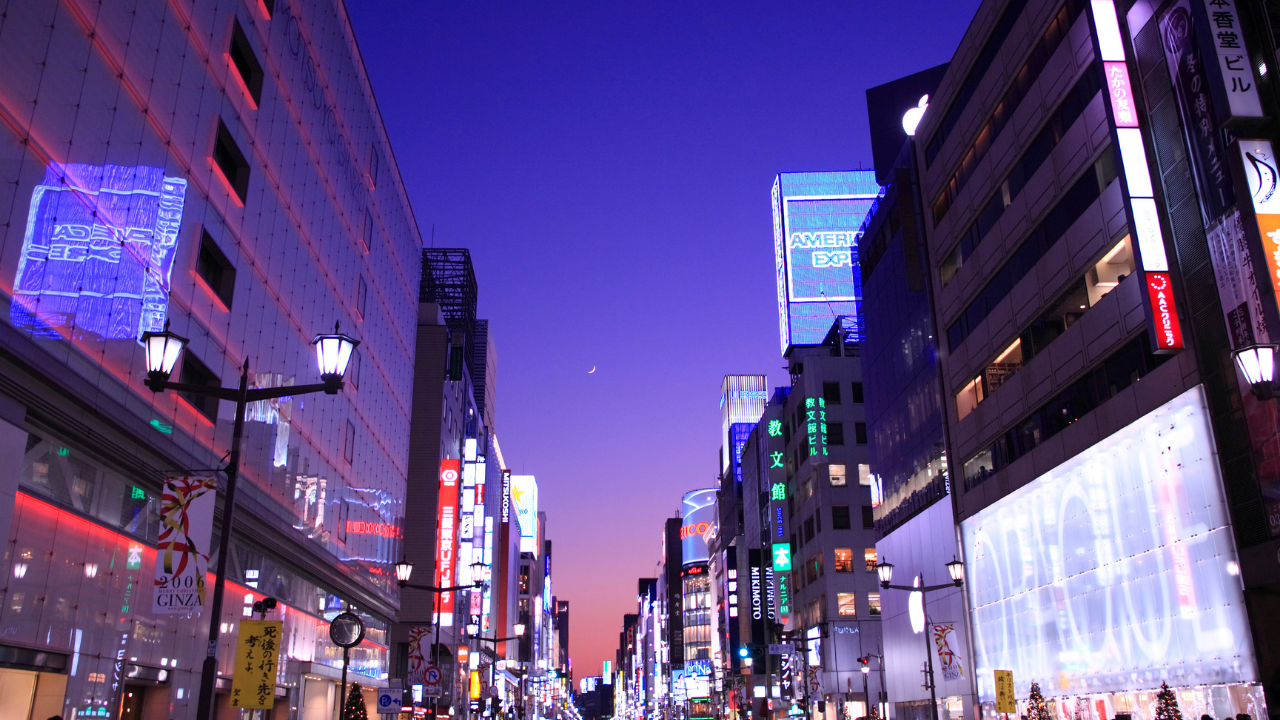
912, 118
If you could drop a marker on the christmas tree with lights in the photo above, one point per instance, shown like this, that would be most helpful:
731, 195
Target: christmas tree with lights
353, 708
1036, 707
1167, 704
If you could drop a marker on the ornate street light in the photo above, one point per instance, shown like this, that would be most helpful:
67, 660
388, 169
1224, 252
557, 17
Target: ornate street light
955, 569
333, 352
885, 571
1258, 365
163, 349
404, 569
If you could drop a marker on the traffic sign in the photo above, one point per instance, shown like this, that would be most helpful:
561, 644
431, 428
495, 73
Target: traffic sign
390, 700
781, 648
431, 681
493, 691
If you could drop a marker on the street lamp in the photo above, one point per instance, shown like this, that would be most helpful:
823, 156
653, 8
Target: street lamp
162, 352
404, 571
955, 569
1258, 365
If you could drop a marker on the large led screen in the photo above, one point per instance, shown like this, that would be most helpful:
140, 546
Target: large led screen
1114, 571
699, 516
816, 218
524, 495
98, 250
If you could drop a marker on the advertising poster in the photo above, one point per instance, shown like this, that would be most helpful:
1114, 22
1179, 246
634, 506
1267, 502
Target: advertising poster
947, 657
182, 549
419, 646
253, 684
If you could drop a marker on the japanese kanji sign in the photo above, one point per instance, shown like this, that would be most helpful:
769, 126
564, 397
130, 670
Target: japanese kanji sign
253, 684
182, 550
1238, 84
1005, 701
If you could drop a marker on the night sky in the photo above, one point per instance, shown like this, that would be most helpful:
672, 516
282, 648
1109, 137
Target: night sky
608, 164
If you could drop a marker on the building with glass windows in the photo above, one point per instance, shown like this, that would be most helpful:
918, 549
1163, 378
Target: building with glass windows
242, 192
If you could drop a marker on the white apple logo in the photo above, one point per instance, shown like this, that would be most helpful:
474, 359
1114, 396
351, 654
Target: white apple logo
912, 118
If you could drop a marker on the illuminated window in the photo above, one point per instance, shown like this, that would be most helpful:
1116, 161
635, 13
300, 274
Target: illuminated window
195, 372
869, 556
1114, 267
848, 604
864, 475
215, 269
245, 62
835, 473
349, 446
873, 603
840, 517
844, 560
231, 162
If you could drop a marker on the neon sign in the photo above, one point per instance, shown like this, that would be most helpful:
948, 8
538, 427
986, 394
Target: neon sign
446, 519
98, 251
360, 527
816, 425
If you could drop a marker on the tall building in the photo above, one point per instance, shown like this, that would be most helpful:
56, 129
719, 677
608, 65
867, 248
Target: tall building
242, 191
1094, 243
909, 469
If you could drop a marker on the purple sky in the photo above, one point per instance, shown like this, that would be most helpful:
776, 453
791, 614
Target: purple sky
609, 166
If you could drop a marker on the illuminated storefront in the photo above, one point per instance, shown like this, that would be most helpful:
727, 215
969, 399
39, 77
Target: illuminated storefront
1113, 573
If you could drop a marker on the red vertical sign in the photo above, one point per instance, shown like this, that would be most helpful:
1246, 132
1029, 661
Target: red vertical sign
446, 532
1121, 93
1168, 331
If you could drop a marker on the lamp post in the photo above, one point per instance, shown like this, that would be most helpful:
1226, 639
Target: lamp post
404, 570
866, 695
333, 352
1258, 365
955, 569
881, 697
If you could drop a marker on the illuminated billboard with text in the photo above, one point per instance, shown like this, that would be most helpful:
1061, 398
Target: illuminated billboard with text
699, 517
1114, 571
816, 217
524, 496
98, 251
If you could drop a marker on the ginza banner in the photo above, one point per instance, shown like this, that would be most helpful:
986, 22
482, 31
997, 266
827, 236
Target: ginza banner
182, 550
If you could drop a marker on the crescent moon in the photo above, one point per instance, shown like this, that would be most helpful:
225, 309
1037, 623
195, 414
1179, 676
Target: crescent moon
593, 369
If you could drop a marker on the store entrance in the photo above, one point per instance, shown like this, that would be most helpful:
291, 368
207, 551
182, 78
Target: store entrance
144, 702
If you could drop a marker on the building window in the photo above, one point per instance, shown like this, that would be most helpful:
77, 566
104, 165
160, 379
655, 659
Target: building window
860, 433
375, 164
869, 557
231, 162
368, 230
844, 560
868, 519
362, 297
354, 372
831, 393
808, 530
856, 397
245, 62
840, 517
835, 433
215, 269
873, 603
848, 605
864, 475
195, 372
835, 473
349, 444
270, 7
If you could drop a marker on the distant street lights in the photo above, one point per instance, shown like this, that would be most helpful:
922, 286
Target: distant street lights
955, 569
404, 570
333, 352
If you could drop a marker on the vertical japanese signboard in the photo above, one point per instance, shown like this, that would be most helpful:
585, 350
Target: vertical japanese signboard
1234, 86
1165, 331
182, 549
446, 532
253, 684
1005, 700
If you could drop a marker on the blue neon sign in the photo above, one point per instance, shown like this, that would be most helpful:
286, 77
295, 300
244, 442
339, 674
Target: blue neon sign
98, 251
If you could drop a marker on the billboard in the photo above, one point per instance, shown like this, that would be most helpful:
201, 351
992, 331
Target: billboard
446, 533
98, 251
524, 495
742, 402
1115, 570
699, 516
816, 221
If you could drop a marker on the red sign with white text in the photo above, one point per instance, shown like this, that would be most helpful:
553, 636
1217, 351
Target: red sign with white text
1164, 312
1121, 93
446, 532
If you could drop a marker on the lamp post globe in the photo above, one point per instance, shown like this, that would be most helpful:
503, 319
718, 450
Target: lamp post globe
955, 569
404, 569
884, 571
163, 349
1258, 365
519, 628
333, 353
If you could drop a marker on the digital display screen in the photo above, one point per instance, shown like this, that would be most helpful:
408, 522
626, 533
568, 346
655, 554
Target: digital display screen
524, 495
98, 252
1114, 571
816, 219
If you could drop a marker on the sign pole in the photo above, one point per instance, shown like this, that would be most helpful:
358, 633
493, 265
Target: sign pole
342, 699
